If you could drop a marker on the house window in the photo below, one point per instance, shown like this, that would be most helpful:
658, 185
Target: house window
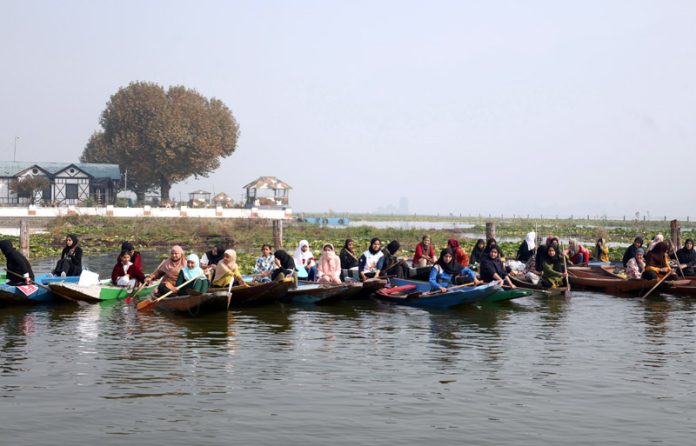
71, 192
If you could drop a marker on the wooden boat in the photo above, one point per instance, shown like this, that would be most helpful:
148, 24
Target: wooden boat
614, 283
538, 288
253, 295
102, 291
406, 295
682, 290
33, 294
374, 284
188, 304
321, 294
499, 296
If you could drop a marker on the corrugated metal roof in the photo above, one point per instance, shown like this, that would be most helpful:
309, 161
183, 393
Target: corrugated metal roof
268, 183
12, 168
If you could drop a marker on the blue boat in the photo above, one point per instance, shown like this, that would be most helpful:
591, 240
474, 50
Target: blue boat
499, 296
33, 294
408, 295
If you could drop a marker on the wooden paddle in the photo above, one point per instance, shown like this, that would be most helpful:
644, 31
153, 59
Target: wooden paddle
40, 285
430, 293
656, 285
145, 304
132, 295
565, 269
229, 293
674, 250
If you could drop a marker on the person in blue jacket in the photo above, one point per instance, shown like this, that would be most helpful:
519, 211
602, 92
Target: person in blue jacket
446, 272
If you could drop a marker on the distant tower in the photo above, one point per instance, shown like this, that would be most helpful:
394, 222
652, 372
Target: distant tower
403, 205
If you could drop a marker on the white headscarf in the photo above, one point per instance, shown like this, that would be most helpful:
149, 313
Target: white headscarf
531, 240
300, 257
657, 239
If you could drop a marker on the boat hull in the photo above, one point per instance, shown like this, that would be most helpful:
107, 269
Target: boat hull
95, 293
12, 295
448, 299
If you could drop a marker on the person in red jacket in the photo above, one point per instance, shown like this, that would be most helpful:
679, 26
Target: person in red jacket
578, 254
425, 253
126, 273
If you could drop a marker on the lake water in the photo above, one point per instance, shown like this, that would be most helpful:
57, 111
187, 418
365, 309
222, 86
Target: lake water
593, 369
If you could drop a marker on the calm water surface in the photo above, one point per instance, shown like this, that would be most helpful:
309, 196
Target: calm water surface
593, 369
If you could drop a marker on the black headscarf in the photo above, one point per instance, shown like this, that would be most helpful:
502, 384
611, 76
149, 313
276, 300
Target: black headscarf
72, 251
127, 246
450, 268
16, 263
348, 242
489, 266
217, 258
631, 250
372, 242
555, 260
393, 246
477, 253
286, 261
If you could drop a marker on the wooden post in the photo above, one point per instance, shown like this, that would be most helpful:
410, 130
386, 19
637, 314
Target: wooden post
675, 233
490, 230
278, 234
24, 238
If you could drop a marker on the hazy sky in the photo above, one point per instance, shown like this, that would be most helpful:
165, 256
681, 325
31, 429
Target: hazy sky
553, 107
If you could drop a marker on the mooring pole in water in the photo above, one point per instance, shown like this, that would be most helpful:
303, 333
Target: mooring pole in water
675, 233
24, 237
490, 230
278, 234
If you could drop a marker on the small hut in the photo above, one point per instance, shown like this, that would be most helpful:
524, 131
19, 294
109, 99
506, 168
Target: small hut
199, 199
267, 192
223, 200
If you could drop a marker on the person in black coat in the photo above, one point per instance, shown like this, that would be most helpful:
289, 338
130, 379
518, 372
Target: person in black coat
285, 266
394, 266
70, 263
631, 250
687, 258
18, 268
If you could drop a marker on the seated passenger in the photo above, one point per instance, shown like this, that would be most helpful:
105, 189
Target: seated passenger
304, 258
393, 265
135, 257
492, 268
125, 273
460, 256
192, 270
425, 253
349, 261
227, 270
371, 261
285, 266
446, 272
636, 266
602, 251
264, 265
168, 271
329, 269
553, 269
687, 258
477, 252
527, 247
577, 254
70, 263
631, 250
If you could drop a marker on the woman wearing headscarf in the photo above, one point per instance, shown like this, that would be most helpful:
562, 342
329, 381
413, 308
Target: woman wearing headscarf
492, 268
687, 258
552, 268
18, 268
446, 272
304, 258
527, 247
192, 271
349, 260
636, 265
551, 240
393, 265
168, 271
212, 257
371, 261
285, 266
226, 270
602, 251
265, 265
631, 250
657, 262
657, 239
491, 242
425, 253
126, 273
477, 252
460, 256
135, 257
577, 254
329, 269
70, 263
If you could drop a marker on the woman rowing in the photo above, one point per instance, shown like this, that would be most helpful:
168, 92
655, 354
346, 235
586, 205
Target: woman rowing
657, 263
194, 274
492, 268
168, 271
552, 268
227, 270
392, 264
19, 270
446, 272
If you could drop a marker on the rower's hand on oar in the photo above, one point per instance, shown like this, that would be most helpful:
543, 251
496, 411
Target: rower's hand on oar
443, 289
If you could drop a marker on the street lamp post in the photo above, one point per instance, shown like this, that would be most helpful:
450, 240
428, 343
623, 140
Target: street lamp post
14, 157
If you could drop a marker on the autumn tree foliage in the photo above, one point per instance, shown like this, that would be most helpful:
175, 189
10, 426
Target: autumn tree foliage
162, 136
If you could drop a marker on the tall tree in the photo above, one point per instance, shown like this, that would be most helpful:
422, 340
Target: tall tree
162, 137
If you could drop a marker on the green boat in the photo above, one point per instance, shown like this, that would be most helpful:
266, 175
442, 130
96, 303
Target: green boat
102, 291
503, 295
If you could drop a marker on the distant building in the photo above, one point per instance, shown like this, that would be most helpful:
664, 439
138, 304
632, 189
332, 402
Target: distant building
199, 198
68, 183
267, 192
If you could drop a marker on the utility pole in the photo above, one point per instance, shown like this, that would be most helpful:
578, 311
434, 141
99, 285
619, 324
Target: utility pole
14, 157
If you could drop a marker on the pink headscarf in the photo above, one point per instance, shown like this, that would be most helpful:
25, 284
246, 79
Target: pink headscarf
170, 268
330, 266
